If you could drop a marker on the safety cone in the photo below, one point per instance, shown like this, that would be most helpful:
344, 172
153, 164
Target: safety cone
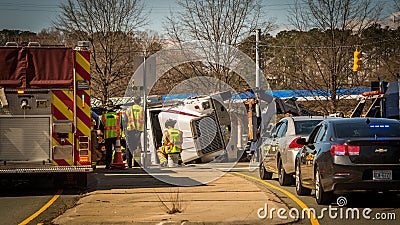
118, 162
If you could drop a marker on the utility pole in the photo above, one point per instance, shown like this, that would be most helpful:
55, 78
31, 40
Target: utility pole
398, 90
258, 72
144, 153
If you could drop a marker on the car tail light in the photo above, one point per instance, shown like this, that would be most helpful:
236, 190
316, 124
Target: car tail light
293, 144
353, 150
342, 150
338, 150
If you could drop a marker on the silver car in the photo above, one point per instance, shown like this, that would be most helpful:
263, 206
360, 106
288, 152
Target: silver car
279, 150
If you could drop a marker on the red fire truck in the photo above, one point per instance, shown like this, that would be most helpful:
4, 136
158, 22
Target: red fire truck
45, 115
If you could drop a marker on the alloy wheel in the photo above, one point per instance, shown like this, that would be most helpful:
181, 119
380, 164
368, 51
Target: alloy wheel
297, 178
317, 185
300, 190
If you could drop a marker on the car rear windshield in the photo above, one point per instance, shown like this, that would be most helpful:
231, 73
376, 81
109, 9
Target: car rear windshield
305, 127
367, 130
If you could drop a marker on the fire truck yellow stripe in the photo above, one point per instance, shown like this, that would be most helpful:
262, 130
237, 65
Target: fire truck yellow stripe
57, 103
79, 77
83, 112
63, 104
70, 162
86, 66
83, 62
62, 107
86, 110
56, 143
83, 128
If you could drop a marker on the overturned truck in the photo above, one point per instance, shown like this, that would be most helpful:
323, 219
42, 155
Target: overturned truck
202, 120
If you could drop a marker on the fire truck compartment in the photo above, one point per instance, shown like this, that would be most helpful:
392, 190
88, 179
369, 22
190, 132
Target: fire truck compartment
25, 139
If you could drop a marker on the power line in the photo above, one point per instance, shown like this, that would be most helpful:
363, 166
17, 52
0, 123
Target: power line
328, 47
5, 4
27, 10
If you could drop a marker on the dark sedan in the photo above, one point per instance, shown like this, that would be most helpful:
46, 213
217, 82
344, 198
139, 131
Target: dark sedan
349, 154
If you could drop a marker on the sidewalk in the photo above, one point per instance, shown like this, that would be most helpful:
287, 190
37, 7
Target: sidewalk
134, 197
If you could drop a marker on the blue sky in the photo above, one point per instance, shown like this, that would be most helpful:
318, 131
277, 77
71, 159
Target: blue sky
34, 15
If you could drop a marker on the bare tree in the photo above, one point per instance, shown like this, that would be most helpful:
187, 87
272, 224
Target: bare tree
110, 26
220, 22
323, 57
19, 36
50, 36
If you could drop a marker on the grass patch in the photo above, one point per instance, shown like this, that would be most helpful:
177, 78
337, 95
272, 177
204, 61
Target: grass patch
173, 203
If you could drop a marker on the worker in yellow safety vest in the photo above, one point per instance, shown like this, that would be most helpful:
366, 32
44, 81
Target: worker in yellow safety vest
172, 144
112, 130
134, 120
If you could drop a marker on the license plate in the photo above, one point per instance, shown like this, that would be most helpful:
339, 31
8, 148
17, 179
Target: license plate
382, 174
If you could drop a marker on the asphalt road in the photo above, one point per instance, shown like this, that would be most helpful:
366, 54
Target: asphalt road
374, 206
33, 202
20, 201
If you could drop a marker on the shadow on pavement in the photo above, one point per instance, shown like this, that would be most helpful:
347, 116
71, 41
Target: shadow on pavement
103, 179
100, 179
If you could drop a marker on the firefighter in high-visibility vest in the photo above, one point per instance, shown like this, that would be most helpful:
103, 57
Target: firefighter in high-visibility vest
172, 142
111, 123
134, 120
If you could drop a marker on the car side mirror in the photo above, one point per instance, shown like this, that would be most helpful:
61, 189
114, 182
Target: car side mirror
301, 141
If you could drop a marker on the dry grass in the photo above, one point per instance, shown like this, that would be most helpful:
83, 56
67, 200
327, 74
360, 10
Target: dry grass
173, 204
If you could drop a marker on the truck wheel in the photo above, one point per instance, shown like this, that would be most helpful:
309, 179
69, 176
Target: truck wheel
284, 178
321, 196
300, 190
264, 174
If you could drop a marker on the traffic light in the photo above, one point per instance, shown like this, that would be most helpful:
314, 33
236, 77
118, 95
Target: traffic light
357, 60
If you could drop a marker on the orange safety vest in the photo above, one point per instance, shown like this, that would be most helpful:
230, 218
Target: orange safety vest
135, 118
